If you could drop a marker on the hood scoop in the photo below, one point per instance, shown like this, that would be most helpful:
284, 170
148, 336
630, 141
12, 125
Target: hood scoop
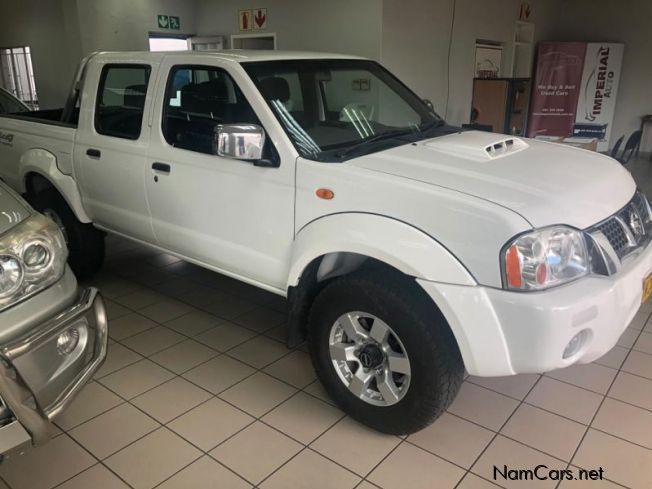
476, 145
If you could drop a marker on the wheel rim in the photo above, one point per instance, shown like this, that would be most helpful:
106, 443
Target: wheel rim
57, 220
369, 358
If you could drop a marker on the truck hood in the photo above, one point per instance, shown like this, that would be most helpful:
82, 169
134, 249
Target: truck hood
13, 209
546, 183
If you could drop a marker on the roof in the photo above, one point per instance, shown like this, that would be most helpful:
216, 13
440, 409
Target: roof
235, 55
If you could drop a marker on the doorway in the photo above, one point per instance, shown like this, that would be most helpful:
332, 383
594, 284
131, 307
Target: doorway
253, 41
160, 43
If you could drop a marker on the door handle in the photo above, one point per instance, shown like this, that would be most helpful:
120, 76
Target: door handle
93, 153
161, 167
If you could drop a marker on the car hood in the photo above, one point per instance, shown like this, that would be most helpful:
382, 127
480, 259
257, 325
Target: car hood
546, 183
13, 209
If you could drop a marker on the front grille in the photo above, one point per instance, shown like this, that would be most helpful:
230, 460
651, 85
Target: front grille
626, 229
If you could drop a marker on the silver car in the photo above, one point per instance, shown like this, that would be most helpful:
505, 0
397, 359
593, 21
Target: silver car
53, 336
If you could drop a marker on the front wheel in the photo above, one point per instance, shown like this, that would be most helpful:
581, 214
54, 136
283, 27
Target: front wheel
383, 352
85, 243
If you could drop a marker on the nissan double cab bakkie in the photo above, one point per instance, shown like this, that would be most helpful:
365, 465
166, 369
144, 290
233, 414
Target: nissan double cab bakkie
407, 249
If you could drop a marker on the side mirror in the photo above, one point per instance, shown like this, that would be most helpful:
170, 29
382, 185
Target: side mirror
239, 141
429, 104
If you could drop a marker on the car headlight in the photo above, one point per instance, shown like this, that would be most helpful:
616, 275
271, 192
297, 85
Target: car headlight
32, 257
544, 258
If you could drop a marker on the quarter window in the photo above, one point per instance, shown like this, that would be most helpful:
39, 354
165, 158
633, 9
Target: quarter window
198, 98
121, 100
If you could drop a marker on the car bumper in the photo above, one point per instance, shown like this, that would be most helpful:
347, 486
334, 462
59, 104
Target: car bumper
37, 381
504, 333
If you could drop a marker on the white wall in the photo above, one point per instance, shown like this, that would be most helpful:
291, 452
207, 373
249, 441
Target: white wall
629, 22
345, 26
416, 36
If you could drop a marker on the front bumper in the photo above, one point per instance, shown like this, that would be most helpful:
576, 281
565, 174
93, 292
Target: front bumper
504, 333
37, 382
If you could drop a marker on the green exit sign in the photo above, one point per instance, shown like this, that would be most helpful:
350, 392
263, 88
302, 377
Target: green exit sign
168, 22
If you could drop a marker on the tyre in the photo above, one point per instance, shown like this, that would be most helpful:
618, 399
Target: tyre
85, 243
383, 352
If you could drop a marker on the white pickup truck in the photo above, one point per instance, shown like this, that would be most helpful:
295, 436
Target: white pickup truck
408, 250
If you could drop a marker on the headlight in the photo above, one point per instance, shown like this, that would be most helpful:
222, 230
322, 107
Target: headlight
32, 257
544, 258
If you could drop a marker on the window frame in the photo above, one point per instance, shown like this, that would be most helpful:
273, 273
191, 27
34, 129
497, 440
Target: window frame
100, 92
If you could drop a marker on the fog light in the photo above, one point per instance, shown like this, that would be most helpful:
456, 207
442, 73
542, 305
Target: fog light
576, 344
67, 341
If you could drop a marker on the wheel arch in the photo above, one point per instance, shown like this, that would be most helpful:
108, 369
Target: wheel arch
38, 170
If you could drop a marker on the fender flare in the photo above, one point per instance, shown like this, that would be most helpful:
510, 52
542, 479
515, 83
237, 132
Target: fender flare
388, 240
44, 163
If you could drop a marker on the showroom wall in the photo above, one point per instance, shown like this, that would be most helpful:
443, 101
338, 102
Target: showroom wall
628, 22
334, 25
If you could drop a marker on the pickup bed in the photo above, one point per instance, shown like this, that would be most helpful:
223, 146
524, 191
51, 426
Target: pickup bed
408, 250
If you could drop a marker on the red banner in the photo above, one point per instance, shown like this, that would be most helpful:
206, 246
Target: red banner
556, 88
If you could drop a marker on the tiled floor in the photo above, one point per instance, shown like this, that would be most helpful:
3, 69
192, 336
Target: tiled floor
198, 391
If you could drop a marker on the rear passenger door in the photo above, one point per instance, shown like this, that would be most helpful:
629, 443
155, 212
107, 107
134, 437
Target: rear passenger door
224, 213
111, 148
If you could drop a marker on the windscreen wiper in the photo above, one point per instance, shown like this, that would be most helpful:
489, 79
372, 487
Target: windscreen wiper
387, 135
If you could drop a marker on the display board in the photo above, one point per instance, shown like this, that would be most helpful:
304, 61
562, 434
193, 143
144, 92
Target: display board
575, 90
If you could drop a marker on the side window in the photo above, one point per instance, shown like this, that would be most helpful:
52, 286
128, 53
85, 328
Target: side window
121, 100
8, 105
198, 98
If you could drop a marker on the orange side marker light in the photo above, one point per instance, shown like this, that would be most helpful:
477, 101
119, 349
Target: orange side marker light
324, 193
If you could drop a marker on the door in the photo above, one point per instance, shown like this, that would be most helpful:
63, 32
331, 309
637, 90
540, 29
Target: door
227, 214
111, 149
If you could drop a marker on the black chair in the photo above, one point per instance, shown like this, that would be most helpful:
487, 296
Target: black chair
616, 148
633, 142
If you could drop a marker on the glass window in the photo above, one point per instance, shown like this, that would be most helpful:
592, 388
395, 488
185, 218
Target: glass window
198, 98
9, 104
330, 106
121, 100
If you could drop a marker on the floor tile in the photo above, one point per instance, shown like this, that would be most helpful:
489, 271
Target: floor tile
165, 310
614, 358
632, 389
203, 474
454, 439
152, 459
278, 333
309, 470
639, 320
261, 319
483, 406
567, 400
115, 310
256, 452
136, 378
129, 325
44, 467
218, 374
638, 363
200, 296
355, 446
418, 470
472, 481
97, 477
229, 307
140, 299
591, 376
210, 423
625, 421
224, 336
163, 260
295, 368
623, 462
544, 431
504, 454
587, 483
317, 390
259, 351
113, 430
171, 399
644, 343
193, 323
258, 394
184, 356
94, 399
117, 357
628, 338
516, 386
153, 340
303, 417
